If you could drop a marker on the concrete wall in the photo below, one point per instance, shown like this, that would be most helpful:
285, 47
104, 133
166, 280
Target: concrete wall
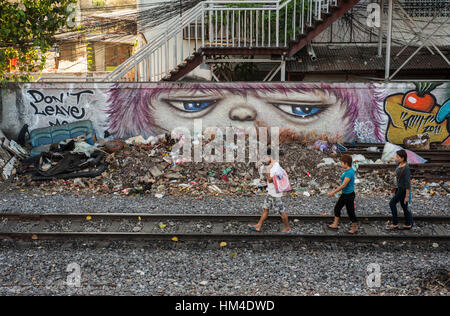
366, 112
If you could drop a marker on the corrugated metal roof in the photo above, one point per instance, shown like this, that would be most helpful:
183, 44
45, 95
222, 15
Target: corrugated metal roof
357, 58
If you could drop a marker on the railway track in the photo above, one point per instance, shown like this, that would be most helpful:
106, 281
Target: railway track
381, 146
126, 226
437, 167
427, 171
436, 155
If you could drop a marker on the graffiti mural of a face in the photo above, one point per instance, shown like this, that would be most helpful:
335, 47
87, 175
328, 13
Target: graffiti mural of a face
303, 108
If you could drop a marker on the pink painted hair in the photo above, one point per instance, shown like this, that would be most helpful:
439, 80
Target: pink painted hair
130, 105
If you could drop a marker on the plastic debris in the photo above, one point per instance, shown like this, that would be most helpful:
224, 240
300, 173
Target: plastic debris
215, 188
372, 149
82, 147
327, 161
389, 152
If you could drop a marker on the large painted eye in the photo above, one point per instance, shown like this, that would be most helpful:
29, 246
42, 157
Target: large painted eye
301, 110
191, 105
197, 105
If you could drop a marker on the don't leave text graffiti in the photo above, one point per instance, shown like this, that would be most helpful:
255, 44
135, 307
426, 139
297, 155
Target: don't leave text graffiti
61, 109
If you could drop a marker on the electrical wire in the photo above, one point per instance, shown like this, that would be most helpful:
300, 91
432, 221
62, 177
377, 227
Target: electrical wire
149, 15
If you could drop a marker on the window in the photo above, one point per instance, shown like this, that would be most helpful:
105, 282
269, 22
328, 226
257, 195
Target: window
115, 54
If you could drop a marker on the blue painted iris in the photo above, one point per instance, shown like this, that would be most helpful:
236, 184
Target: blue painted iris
305, 110
193, 106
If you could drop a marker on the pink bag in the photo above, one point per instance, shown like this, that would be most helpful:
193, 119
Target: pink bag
282, 184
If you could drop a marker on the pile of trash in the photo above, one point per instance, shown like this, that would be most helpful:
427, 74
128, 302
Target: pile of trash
149, 169
139, 166
146, 166
10, 154
57, 152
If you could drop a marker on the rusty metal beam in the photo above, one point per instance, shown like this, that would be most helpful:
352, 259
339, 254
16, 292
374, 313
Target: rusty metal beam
343, 7
191, 65
210, 51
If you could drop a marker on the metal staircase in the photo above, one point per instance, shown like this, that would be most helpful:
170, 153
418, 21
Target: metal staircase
233, 27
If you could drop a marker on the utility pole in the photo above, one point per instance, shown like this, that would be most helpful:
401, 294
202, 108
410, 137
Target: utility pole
388, 42
380, 31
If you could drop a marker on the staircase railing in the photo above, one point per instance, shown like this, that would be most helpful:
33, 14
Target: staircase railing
219, 23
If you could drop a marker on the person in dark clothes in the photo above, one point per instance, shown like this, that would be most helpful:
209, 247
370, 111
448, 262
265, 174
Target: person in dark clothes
402, 192
347, 197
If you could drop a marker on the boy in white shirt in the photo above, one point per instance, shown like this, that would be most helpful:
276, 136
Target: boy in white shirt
273, 198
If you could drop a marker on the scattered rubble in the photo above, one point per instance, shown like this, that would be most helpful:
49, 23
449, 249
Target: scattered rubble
146, 166
10, 153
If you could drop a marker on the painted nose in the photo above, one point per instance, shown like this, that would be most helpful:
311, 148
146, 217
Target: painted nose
242, 114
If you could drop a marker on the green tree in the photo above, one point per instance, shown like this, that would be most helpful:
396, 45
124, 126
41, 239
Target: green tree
27, 32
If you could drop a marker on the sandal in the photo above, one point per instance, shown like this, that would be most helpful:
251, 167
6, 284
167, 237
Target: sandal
405, 227
352, 233
253, 229
334, 228
392, 227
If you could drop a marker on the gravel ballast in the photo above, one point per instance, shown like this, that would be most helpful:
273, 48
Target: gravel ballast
17, 202
259, 268
205, 268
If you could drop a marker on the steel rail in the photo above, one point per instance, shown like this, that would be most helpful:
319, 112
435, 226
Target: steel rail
211, 236
210, 217
441, 233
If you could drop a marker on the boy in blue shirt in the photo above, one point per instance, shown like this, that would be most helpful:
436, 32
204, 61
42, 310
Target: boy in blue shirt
347, 197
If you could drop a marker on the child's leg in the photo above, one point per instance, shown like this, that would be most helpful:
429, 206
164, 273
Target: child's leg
337, 211
262, 219
279, 207
268, 204
393, 205
285, 220
406, 211
350, 206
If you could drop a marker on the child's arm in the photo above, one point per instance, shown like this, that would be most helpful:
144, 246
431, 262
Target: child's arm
339, 188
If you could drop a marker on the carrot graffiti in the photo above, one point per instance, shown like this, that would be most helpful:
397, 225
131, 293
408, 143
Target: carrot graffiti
421, 99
